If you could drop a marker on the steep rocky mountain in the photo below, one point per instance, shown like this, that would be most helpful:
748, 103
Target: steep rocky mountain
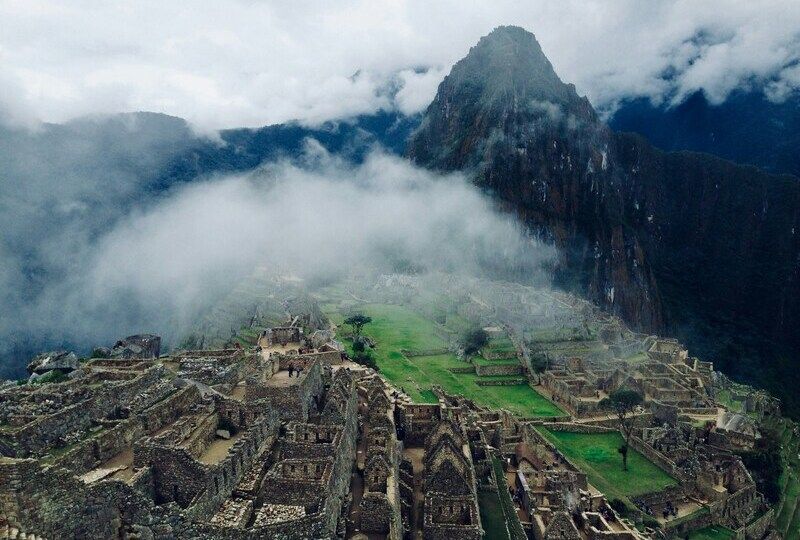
747, 127
679, 242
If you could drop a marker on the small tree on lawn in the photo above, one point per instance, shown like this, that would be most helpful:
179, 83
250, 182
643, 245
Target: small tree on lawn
474, 340
539, 363
357, 322
622, 403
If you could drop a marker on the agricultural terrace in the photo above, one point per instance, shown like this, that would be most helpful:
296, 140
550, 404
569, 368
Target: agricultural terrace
400, 335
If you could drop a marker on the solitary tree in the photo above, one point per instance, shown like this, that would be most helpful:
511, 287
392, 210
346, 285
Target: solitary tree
357, 322
474, 340
539, 363
622, 402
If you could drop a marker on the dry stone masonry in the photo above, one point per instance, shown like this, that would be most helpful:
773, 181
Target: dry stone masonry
289, 440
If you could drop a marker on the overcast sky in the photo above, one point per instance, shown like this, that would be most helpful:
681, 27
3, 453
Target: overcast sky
224, 63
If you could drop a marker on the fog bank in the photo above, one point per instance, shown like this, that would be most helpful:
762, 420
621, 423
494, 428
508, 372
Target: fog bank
162, 264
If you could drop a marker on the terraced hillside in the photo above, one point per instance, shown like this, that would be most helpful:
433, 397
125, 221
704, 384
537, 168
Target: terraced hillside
412, 351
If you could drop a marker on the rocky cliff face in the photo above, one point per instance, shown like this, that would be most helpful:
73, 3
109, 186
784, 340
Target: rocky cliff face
678, 242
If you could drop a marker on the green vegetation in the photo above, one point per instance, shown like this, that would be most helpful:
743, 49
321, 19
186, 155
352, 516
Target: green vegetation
501, 346
481, 361
787, 510
713, 532
597, 454
395, 329
724, 398
622, 403
492, 519
474, 340
357, 321
513, 526
54, 376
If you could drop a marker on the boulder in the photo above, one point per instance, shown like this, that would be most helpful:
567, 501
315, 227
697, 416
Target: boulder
101, 352
223, 434
62, 360
138, 346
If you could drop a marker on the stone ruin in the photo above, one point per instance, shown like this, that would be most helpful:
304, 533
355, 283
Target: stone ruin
289, 440
138, 346
207, 443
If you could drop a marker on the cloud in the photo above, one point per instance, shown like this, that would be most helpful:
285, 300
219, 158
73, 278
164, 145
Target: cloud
246, 63
417, 89
159, 266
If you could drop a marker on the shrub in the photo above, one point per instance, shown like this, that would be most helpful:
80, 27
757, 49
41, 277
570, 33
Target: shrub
365, 359
650, 521
619, 507
474, 340
54, 376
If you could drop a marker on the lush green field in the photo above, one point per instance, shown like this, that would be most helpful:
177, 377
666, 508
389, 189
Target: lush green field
713, 532
494, 524
788, 508
481, 361
513, 526
502, 346
395, 329
597, 455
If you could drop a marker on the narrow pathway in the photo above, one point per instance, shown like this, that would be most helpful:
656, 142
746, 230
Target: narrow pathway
417, 456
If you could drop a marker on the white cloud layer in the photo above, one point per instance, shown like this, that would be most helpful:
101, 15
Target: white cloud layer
160, 267
250, 63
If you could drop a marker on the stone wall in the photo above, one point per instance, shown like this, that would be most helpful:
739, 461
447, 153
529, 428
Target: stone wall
659, 459
508, 382
178, 477
294, 401
415, 422
465, 369
578, 428
53, 503
424, 352
45, 432
377, 513
498, 369
306, 359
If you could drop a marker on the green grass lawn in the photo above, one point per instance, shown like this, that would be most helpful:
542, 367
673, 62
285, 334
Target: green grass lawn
713, 532
397, 328
513, 526
502, 345
494, 524
596, 454
788, 508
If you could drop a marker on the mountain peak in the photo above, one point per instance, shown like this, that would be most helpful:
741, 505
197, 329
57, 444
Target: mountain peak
509, 63
504, 80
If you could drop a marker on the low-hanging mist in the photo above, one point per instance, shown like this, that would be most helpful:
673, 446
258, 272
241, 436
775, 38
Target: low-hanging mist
159, 267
